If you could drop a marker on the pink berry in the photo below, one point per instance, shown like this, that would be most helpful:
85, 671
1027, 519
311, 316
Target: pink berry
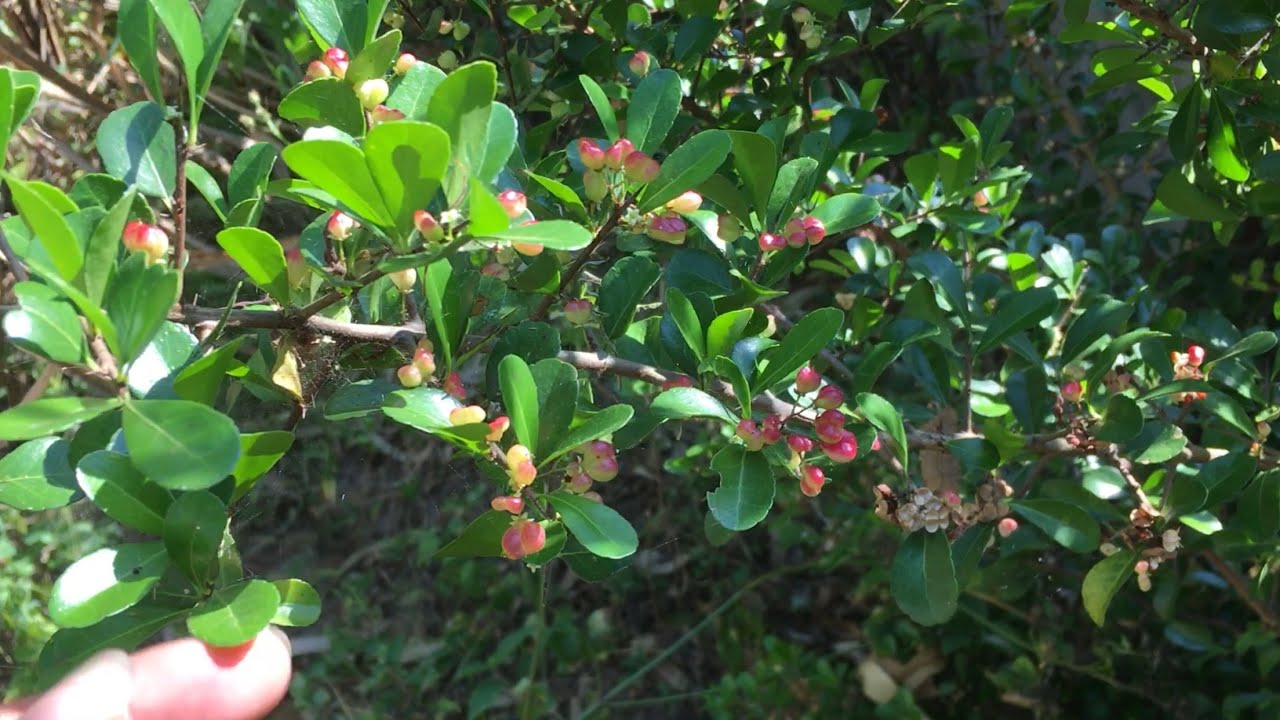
639, 63
668, 229
497, 428
512, 548
599, 449
148, 239
1007, 526
428, 227
829, 426
523, 475
593, 496
814, 229
591, 154
425, 362
404, 63
799, 443
1195, 355
829, 397
453, 385
513, 202
617, 153
382, 114
750, 435
578, 312
1072, 391
513, 504
518, 455
793, 231
603, 469
532, 537
807, 380
844, 450
578, 483
811, 480
410, 376
317, 70
337, 60
772, 429
640, 168
771, 243
340, 225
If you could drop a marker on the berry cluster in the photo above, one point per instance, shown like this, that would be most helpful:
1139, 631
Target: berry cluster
421, 370
924, 509
797, 233
1186, 366
371, 92
810, 32
1166, 548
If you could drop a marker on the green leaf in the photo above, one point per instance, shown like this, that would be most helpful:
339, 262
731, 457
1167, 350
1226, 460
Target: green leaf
1158, 442
1121, 422
746, 489
532, 341
687, 321
122, 493
967, 551
235, 614
882, 414
427, 409
1184, 129
682, 403
1186, 199
204, 181
1258, 512
179, 444
1223, 477
847, 211
261, 257
45, 324
603, 108
450, 293
105, 582
793, 186
259, 452
139, 302
407, 160
184, 29
623, 287
138, 146
299, 604
599, 528
71, 647
100, 255
1106, 360
1105, 316
689, 165
805, 340
47, 416
136, 30
482, 538
1017, 312
374, 59
411, 94
485, 214
942, 273
201, 380
1103, 581
339, 169
1255, 344
193, 528
1223, 151
327, 101
348, 24
598, 425
653, 109
557, 384
215, 27
49, 226
756, 159
1069, 526
520, 396
37, 475
500, 142
726, 330
461, 107
923, 579
552, 234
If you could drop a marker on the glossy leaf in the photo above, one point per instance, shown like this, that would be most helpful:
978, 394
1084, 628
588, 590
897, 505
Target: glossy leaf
1186, 199
1017, 312
682, 403
374, 59
1255, 344
104, 244
551, 234
599, 528
461, 106
47, 416
261, 257
746, 489
520, 397
71, 647
792, 187
653, 109
1103, 317
626, 283
1259, 507
299, 604
407, 160
180, 21
327, 101
600, 102
215, 28
348, 24
411, 94
259, 452
179, 444
923, 579
689, 165
596, 426
122, 492
1158, 442
37, 475
1184, 129
234, 615
1122, 420
500, 142
945, 277
105, 582
1103, 581
756, 160
339, 169
686, 320
193, 529
201, 380
1221, 141
845, 212
48, 225
138, 303
151, 373
139, 147
557, 384
805, 339
482, 538
882, 414
45, 324
1068, 525
137, 32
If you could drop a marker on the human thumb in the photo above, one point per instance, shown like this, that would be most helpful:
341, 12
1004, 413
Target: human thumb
100, 689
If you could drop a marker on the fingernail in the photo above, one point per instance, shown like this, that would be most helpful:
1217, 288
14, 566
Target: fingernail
99, 689
284, 638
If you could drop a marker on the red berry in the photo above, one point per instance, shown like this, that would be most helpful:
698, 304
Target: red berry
149, 239
382, 114
591, 154
771, 243
532, 537
428, 227
513, 504
640, 168
814, 230
617, 153
799, 443
1072, 391
829, 426
1195, 355
497, 428
453, 385
843, 450
518, 455
807, 380
511, 545
337, 60
1007, 527
811, 480
829, 397
793, 231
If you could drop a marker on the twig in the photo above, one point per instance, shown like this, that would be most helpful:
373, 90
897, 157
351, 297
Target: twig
1241, 586
1125, 466
11, 258
572, 273
180, 209
51, 371
1159, 20
22, 55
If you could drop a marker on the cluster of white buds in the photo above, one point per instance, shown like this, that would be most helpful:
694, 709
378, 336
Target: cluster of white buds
810, 32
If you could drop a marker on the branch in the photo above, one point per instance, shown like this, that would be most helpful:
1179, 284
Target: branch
1159, 20
572, 273
1241, 587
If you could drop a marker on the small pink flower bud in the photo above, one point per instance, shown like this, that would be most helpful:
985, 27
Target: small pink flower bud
594, 185
807, 380
382, 114
618, 153
677, 382
317, 70
829, 397
668, 229
1072, 391
639, 63
428, 227
467, 415
1007, 526
1195, 355
814, 229
685, 203
513, 504
513, 202
410, 376
405, 62
843, 451
425, 361
337, 60
340, 225
578, 312
372, 92
497, 428
640, 168
771, 243
591, 154
453, 386
728, 228
404, 279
